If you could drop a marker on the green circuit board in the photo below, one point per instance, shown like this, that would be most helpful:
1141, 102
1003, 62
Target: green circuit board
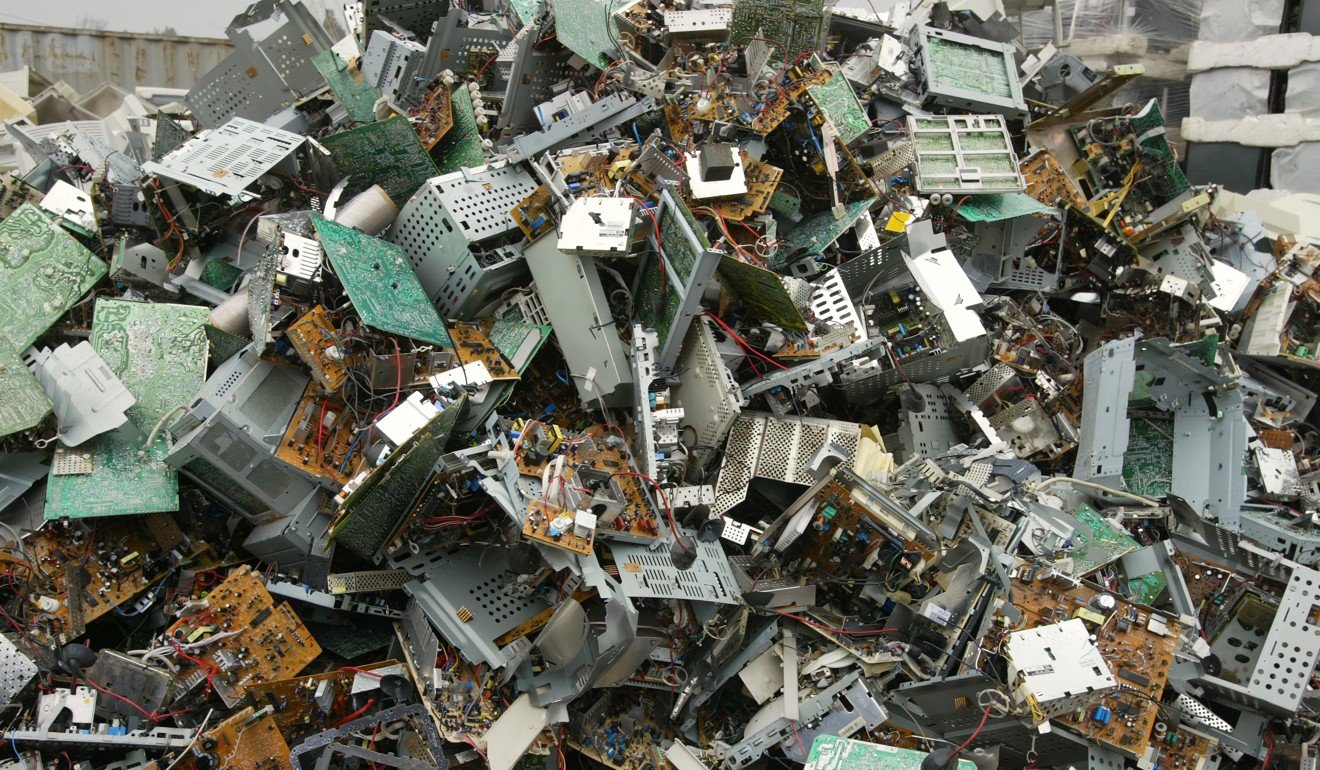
1144, 589
43, 272
510, 335
159, 352
355, 95
23, 402
526, 9
830, 752
121, 481
371, 513
1148, 462
381, 283
818, 231
461, 145
657, 307
959, 66
761, 293
1097, 542
585, 28
836, 99
387, 153
169, 136
798, 24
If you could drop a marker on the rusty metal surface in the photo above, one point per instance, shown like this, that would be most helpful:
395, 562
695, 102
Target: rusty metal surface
85, 58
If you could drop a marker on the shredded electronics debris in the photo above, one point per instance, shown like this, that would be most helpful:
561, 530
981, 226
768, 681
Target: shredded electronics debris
700, 384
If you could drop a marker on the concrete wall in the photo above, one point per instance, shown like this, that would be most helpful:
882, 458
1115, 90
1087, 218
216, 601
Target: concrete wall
85, 58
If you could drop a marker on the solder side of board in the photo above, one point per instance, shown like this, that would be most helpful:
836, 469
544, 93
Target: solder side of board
159, 352
43, 272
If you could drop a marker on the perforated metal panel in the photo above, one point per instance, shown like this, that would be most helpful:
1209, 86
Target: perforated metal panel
708, 392
831, 303
986, 385
16, 670
456, 46
1289, 654
1201, 713
476, 584
739, 461
480, 202
262, 77
366, 581
416, 16
761, 445
226, 160
929, 432
651, 574
1039, 436
391, 65
423, 645
438, 224
71, 462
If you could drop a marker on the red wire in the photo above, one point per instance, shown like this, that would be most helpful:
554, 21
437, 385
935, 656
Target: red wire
149, 717
958, 751
357, 713
669, 512
744, 343
659, 247
320, 423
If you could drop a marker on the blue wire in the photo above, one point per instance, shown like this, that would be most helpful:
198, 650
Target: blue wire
349, 453
812, 132
14, 744
159, 587
636, 134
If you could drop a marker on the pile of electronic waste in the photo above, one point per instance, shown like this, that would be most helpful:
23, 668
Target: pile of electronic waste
650, 383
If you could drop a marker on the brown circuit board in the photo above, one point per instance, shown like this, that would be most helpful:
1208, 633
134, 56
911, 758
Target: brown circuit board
1046, 180
471, 345
90, 579
537, 527
300, 447
594, 170
762, 180
296, 701
798, 350
433, 118
1208, 584
311, 336
724, 106
271, 644
244, 743
534, 214
833, 542
604, 458
1138, 655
